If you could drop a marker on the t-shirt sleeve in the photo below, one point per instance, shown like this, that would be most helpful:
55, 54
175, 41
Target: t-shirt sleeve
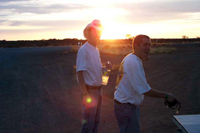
81, 60
137, 78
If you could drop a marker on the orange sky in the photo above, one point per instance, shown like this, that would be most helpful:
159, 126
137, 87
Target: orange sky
44, 19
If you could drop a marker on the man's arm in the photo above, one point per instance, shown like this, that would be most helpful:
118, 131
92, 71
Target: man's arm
81, 82
159, 94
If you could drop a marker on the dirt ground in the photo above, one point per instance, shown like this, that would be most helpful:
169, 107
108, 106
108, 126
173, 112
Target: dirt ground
39, 93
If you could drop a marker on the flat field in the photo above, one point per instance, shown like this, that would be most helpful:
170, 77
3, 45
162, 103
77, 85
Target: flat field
39, 92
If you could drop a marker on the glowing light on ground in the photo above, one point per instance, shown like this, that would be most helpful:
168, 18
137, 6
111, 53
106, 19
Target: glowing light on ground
89, 100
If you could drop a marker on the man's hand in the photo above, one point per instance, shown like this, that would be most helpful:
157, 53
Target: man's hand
108, 65
172, 102
84, 92
169, 97
146, 59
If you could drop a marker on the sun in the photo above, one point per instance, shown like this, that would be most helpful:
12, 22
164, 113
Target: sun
113, 31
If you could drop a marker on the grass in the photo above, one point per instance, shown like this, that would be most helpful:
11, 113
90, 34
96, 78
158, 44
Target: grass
124, 49
162, 50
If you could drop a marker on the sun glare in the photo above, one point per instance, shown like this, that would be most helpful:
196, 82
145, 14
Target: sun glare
113, 31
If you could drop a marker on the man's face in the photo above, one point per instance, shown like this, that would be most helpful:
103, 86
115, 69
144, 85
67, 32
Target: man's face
144, 48
95, 34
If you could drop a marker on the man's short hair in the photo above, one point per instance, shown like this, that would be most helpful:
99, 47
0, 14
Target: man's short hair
138, 40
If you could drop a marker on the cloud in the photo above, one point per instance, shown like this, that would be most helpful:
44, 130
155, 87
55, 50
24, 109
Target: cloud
40, 8
22, 31
1, 21
145, 12
163, 6
50, 25
42, 29
6, 1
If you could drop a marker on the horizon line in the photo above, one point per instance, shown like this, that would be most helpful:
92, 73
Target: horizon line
85, 39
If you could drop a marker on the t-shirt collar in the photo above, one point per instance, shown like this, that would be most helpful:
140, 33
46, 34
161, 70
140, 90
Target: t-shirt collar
91, 46
137, 57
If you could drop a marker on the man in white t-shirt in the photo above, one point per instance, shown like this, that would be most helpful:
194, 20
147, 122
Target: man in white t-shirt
89, 76
131, 87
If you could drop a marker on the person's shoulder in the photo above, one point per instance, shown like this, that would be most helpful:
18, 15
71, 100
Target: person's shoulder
131, 61
135, 58
83, 48
130, 57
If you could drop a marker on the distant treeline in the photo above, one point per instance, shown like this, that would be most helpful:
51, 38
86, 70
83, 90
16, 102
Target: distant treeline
67, 42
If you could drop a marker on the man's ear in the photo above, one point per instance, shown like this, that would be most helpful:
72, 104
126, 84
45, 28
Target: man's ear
137, 45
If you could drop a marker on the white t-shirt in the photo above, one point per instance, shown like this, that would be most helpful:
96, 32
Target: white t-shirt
131, 81
88, 61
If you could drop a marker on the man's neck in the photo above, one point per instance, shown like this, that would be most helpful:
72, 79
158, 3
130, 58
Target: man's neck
146, 59
135, 53
92, 43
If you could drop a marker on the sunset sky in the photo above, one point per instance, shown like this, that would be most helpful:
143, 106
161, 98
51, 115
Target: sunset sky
46, 19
